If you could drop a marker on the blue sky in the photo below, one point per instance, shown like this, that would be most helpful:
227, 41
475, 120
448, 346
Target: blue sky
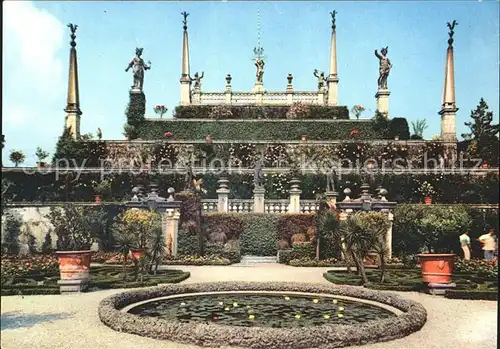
296, 38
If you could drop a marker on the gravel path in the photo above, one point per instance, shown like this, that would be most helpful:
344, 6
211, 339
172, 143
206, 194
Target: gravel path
68, 322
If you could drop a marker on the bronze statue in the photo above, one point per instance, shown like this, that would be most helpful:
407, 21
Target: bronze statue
188, 177
138, 68
184, 21
451, 32
321, 79
289, 78
333, 19
258, 177
72, 27
330, 180
197, 80
384, 68
259, 63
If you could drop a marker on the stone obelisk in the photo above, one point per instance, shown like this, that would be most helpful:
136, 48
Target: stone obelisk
449, 109
333, 80
185, 77
72, 109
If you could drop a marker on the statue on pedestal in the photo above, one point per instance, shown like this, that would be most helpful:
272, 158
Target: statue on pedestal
321, 79
197, 80
188, 177
384, 68
258, 177
330, 180
138, 68
259, 63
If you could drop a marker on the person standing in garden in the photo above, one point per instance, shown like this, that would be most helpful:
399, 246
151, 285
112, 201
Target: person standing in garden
489, 244
465, 244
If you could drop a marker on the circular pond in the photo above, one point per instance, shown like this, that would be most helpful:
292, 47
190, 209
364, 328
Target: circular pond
263, 315
264, 310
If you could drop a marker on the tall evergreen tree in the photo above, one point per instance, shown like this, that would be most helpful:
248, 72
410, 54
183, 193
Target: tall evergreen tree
136, 109
68, 148
483, 133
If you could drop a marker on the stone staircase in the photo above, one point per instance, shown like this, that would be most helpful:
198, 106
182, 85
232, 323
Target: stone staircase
253, 260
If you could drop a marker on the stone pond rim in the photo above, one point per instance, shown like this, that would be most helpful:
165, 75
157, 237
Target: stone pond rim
411, 320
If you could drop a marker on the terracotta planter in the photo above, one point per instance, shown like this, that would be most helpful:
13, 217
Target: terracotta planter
436, 268
97, 199
485, 165
138, 253
428, 200
371, 259
74, 265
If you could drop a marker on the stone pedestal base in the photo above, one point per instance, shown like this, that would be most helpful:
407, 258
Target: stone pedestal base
72, 286
294, 201
382, 97
258, 199
222, 200
440, 289
258, 87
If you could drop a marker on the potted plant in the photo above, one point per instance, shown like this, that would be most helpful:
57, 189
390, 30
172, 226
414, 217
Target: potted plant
41, 155
76, 228
17, 157
136, 228
436, 226
101, 189
426, 189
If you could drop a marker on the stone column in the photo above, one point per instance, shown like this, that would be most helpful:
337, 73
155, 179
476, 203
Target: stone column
449, 108
294, 196
171, 229
258, 199
185, 77
382, 97
223, 196
388, 237
229, 93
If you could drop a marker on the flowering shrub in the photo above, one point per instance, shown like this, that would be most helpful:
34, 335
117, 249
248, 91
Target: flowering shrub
357, 110
139, 223
298, 110
242, 154
481, 267
353, 132
221, 112
426, 189
29, 264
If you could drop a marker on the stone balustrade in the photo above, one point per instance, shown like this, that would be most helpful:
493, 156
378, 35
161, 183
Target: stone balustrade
257, 98
270, 206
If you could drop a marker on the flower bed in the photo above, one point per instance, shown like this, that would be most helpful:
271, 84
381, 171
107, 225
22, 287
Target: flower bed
28, 265
411, 280
104, 277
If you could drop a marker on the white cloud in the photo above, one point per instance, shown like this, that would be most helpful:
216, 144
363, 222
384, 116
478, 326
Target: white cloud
34, 79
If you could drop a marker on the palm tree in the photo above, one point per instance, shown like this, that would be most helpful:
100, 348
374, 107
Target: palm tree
125, 241
157, 245
376, 224
357, 241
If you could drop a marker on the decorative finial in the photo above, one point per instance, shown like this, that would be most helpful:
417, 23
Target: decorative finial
333, 19
72, 27
184, 21
258, 51
451, 32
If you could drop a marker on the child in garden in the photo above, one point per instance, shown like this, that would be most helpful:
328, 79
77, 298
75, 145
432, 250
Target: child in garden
465, 244
489, 244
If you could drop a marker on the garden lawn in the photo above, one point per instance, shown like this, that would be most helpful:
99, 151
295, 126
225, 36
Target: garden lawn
102, 277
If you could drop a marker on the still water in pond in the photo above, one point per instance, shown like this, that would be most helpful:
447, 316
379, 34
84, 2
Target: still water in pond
263, 310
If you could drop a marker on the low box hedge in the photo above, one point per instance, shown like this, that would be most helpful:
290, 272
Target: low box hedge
258, 112
472, 295
270, 130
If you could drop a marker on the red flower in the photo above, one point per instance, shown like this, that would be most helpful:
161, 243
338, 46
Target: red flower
303, 138
168, 134
353, 132
208, 138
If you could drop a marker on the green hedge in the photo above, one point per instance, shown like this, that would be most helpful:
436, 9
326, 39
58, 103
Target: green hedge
450, 188
258, 112
260, 234
256, 129
471, 295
